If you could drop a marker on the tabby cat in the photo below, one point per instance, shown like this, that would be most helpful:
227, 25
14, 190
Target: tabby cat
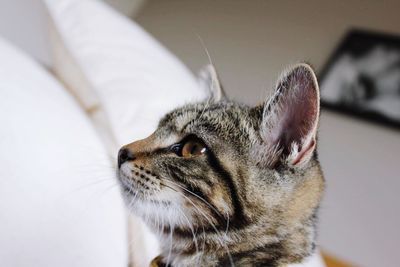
225, 184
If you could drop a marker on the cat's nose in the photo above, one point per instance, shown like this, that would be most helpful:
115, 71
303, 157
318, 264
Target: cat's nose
124, 155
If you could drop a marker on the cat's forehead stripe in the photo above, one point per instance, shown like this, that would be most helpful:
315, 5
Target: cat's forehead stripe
233, 121
182, 121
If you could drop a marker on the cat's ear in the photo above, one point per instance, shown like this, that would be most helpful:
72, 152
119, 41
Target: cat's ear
209, 81
290, 118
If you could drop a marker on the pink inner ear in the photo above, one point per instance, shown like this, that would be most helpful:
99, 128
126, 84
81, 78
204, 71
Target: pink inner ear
304, 151
296, 110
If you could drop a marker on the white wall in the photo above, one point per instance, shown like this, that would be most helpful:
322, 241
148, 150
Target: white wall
250, 42
24, 23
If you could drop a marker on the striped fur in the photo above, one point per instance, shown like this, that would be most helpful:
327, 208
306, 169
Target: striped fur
251, 199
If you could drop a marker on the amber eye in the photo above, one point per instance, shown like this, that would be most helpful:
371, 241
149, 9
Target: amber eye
193, 148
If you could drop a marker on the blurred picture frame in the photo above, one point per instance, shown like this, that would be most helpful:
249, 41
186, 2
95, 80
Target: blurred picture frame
362, 77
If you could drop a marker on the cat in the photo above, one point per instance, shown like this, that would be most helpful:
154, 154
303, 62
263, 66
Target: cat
225, 184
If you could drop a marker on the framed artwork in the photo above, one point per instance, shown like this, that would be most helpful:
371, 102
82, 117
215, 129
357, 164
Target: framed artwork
362, 77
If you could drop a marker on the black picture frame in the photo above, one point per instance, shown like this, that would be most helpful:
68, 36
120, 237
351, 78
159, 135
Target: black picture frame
356, 49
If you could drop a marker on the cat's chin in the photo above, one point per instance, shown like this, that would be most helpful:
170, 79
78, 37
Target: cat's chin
158, 214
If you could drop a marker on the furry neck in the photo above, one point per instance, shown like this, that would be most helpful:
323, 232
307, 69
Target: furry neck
207, 251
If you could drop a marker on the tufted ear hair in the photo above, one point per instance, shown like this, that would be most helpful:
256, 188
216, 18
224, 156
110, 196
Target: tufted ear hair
290, 118
209, 81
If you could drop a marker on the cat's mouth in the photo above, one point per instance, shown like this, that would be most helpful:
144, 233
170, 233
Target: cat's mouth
141, 185
144, 195
126, 183
136, 178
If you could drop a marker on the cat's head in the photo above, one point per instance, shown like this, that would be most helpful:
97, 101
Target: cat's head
220, 164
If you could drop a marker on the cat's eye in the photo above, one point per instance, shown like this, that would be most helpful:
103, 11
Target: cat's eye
193, 148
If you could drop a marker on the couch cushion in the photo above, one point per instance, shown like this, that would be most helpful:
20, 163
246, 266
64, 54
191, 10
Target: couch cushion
59, 203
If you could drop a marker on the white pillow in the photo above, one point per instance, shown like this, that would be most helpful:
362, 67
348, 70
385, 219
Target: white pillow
57, 203
108, 60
